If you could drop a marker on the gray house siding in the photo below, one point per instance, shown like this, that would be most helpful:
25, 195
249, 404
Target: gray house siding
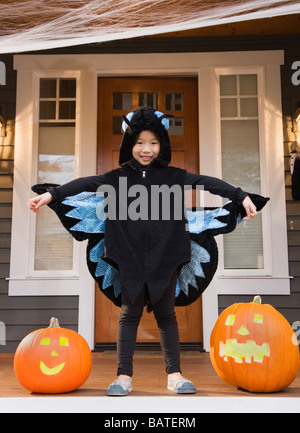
22, 315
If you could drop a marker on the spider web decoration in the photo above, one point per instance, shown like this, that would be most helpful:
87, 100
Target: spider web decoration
30, 25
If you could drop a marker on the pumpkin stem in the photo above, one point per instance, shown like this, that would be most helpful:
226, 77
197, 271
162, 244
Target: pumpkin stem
54, 323
257, 300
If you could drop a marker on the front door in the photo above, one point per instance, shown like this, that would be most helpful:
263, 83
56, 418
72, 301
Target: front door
177, 96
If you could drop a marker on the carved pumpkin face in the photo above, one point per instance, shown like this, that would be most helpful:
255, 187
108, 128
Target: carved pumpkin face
46, 341
53, 360
244, 351
252, 348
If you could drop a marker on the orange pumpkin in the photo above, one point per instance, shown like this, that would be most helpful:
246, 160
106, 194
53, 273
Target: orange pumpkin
53, 360
253, 347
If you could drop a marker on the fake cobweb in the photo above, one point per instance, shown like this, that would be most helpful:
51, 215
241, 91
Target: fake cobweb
28, 25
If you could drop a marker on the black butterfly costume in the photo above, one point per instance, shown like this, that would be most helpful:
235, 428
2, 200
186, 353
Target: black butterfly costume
124, 255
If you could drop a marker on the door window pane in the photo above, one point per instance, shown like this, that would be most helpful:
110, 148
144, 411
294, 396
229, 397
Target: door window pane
148, 100
176, 126
122, 101
174, 101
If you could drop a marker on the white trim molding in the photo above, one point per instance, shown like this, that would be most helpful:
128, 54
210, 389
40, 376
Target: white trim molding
88, 68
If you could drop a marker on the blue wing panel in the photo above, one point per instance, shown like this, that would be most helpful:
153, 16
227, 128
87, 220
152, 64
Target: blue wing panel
200, 221
110, 274
89, 208
192, 269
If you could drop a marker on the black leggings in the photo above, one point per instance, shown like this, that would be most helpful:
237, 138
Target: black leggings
167, 324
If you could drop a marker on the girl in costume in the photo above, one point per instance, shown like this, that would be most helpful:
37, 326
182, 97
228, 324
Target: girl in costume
148, 260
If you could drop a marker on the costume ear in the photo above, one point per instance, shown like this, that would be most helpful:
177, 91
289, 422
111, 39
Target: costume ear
164, 119
126, 123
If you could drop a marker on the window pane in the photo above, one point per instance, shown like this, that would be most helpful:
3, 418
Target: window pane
67, 110
56, 164
122, 101
247, 234
228, 85
248, 85
148, 100
174, 101
241, 167
47, 110
48, 88
53, 244
249, 107
240, 154
56, 140
229, 107
67, 88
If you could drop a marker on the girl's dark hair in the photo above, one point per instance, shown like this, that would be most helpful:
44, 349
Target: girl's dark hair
145, 119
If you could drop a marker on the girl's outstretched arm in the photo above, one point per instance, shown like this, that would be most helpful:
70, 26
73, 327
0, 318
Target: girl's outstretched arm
89, 183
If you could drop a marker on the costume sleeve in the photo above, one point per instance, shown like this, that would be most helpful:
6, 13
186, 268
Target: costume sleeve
216, 186
87, 184
77, 205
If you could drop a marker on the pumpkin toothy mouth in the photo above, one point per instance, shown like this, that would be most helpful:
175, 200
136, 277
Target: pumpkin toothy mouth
244, 351
51, 371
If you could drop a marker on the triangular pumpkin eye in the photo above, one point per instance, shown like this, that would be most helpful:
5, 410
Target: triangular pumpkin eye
243, 331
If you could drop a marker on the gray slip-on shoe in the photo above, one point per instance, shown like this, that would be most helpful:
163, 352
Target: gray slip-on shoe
181, 386
119, 389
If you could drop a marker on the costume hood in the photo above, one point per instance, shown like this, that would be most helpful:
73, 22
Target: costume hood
145, 119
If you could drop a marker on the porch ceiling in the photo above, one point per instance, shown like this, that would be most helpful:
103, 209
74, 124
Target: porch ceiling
283, 25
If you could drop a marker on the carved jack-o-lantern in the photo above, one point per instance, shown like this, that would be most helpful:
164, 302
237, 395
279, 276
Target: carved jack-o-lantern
253, 347
53, 360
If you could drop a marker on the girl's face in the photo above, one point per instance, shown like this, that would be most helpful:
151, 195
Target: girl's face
146, 148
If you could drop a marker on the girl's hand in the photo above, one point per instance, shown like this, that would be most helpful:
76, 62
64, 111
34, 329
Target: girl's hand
250, 209
35, 203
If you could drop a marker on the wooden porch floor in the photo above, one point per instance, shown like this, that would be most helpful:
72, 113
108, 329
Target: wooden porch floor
149, 378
